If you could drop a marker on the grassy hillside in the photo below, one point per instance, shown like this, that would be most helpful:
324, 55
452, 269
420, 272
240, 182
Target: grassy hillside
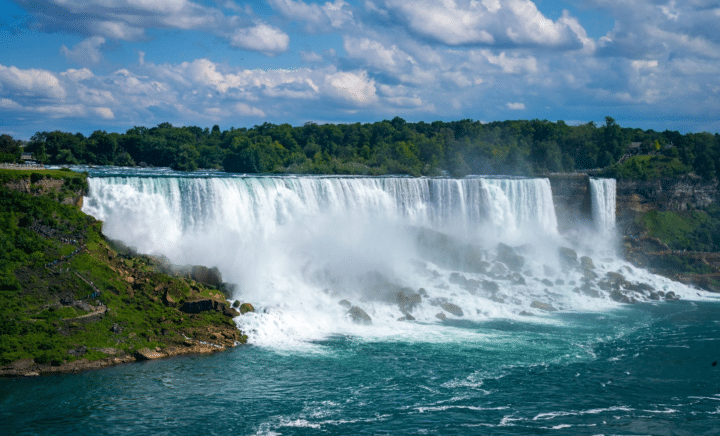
67, 295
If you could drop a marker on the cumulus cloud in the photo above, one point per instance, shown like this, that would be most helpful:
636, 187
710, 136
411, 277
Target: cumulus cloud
261, 38
32, 83
354, 87
516, 106
86, 51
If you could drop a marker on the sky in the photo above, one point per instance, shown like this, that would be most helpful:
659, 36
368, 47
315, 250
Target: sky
86, 65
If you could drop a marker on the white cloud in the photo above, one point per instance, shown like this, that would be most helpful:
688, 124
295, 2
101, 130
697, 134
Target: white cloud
30, 83
244, 109
516, 106
104, 113
353, 87
86, 51
261, 38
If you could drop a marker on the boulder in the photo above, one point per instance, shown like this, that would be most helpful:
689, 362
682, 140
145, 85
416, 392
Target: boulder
199, 306
441, 316
568, 257
452, 308
407, 317
542, 306
518, 279
147, 354
620, 297
406, 299
499, 269
359, 316
346, 304
586, 263
549, 272
509, 257
547, 282
79, 351
458, 278
168, 300
524, 313
245, 308
490, 286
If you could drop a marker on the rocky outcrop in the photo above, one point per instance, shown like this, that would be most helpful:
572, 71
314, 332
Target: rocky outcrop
359, 316
639, 196
198, 306
571, 196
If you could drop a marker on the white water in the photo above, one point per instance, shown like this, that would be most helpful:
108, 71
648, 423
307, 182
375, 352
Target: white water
296, 246
603, 204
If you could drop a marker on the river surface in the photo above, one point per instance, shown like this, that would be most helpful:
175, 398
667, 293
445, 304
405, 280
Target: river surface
645, 369
485, 318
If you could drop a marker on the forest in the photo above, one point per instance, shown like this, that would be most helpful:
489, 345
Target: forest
457, 148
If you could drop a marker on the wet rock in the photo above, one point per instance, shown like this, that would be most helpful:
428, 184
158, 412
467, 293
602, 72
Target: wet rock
620, 297
472, 285
441, 316
245, 308
671, 296
359, 316
568, 257
559, 282
490, 286
236, 304
547, 282
452, 308
548, 271
497, 299
542, 306
509, 257
498, 270
639, 287
407, 317
518, 279
654, 296
422, 292
406, 299
524, 313
586, 263
346, 304
458, 279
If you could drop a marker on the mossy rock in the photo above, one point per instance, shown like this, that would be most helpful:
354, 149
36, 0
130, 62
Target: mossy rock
245, 308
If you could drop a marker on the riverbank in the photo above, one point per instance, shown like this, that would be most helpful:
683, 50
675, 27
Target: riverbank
69, 301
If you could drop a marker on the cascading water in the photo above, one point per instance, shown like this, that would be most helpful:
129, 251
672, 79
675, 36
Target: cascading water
603, 204
297, 246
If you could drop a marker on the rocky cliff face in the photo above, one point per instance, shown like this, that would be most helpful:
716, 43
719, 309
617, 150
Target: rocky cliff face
681, 193
571, 196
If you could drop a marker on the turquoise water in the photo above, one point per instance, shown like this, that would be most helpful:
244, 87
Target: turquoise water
642, 369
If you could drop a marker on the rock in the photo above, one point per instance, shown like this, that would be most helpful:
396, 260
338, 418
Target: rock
199, 306
83, 306
147, 354
407, 300
422, 292
568, 257
359, 316
116, 328
518, 279
22, 364
458, 278
441, 316
236, 304
498, 270
620, 297
346, 304
654, 296
559, 282
452, 308
586, 263
507, 255
168, 300
524, 313
542, 306
549, 272
547, 282
245, 308
79, 351
490, 286
671, 296
407, 317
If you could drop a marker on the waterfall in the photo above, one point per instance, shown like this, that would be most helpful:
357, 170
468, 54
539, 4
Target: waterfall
603, 204
298, 245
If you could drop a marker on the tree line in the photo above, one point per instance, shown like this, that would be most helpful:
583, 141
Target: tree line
457, 148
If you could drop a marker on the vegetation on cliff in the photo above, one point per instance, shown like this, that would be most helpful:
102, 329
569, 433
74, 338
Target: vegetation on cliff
66, 294
394, 147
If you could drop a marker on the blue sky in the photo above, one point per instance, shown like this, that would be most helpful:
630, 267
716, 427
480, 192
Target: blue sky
84, 65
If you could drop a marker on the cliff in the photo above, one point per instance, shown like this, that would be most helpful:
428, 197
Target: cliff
69, 301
